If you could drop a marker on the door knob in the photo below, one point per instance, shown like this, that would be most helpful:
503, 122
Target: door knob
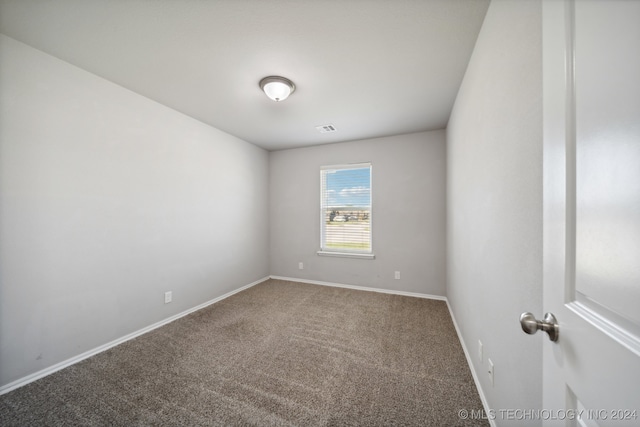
550, 325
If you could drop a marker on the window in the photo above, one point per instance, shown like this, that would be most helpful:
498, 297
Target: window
345, 210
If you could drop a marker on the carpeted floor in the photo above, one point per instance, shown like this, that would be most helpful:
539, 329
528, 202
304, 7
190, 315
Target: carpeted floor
280, 353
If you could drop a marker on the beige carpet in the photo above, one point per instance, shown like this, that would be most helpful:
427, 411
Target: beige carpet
280, 353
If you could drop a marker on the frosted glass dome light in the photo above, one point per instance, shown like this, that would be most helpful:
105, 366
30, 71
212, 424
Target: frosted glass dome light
277, 88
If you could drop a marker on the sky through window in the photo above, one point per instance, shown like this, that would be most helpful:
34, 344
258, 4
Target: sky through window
349, 187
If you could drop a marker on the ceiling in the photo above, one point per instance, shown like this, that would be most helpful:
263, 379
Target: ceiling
371, 68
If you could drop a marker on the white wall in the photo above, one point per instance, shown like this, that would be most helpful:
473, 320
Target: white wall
408, 220
494, 209
107, 201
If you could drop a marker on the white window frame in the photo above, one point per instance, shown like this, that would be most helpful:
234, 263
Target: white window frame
324, 250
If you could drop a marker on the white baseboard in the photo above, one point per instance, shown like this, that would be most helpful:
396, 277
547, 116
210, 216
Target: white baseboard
474, 374
361, 288
73, 360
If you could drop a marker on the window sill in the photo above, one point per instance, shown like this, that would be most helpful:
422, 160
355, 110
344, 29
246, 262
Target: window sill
346, 254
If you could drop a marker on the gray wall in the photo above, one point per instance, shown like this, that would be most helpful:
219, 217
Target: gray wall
494, 209
408, 226
107, 201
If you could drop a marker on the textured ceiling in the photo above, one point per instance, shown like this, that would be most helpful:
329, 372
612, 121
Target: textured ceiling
371, 68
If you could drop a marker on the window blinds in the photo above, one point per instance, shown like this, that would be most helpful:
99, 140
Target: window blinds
345, 208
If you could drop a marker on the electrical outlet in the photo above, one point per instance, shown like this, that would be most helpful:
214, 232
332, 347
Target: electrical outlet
490, 371
300, 266
480, 350
397, 275
168, 297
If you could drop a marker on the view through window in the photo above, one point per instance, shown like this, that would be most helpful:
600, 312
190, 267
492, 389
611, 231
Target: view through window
345, 200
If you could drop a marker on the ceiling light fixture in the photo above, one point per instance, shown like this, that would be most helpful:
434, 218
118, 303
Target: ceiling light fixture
277, 88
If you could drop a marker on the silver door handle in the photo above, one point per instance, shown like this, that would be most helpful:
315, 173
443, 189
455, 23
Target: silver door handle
550, 325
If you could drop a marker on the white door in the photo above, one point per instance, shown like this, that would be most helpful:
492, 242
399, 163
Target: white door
591, 80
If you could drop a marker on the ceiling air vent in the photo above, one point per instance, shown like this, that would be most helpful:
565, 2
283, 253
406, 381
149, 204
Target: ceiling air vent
326, 128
